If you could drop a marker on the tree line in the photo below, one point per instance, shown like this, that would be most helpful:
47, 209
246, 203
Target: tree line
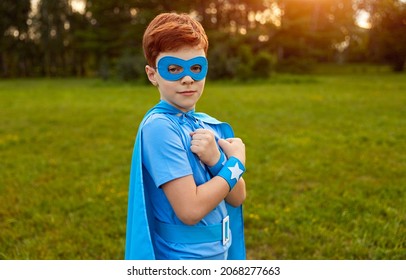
248, 38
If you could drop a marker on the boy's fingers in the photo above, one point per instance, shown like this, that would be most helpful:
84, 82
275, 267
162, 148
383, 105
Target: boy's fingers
202, 134
223, 143
198, 131
233, 140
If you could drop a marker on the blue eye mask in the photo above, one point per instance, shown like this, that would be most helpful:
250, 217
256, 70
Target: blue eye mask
172, 68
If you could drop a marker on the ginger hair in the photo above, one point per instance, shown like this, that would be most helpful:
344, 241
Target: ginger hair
171, 32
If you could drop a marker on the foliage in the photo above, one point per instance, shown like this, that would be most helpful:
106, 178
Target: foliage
308, 31
264, 65
54, 39
14, 57
325, 164
235, 58
296, 65
130, 67
387, 39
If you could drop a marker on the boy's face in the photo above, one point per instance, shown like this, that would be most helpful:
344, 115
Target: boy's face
181, 89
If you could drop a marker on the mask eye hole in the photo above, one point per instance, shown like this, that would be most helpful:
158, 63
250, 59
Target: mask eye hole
196, 68
175, 69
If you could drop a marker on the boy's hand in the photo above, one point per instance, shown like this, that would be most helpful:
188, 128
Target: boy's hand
233, 147
204, 146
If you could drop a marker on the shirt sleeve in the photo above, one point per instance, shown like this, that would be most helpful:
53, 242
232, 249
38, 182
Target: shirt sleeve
163, 153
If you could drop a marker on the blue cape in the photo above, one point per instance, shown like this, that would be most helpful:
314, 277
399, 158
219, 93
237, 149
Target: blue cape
139, 228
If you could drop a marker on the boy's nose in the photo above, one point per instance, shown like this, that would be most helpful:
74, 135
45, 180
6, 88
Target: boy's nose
187, 80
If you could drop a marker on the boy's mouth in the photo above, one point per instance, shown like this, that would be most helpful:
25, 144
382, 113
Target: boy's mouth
187, 92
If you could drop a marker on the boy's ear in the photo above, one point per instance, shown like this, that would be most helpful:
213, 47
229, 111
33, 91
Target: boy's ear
151, 75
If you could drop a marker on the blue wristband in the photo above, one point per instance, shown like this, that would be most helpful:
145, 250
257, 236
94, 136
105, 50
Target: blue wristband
215, 169
232, 171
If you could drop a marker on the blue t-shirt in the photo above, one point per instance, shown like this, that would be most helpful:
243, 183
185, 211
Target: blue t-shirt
166, 156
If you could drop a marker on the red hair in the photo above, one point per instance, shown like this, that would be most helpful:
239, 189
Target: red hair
170, 32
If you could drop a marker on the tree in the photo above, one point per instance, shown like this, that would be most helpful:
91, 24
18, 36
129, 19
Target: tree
387, 40
52, 24
14, 32
311, 29
115, 29
56, 40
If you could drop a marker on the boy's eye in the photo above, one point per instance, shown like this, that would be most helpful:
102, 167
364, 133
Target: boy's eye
175, 69
196, 68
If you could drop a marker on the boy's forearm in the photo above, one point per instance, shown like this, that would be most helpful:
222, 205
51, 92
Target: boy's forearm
191, 203
211, 193
238, 194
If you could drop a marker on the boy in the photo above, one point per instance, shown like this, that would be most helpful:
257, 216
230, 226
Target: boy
186, 188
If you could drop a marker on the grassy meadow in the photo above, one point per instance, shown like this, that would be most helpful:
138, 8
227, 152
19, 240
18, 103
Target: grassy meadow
326, 164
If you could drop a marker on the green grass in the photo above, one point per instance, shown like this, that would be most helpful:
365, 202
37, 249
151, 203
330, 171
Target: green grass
326, 164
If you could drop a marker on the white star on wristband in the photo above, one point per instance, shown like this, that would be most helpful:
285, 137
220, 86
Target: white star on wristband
235, 171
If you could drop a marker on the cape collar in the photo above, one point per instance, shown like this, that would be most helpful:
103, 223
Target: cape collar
193, 118
164, 107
